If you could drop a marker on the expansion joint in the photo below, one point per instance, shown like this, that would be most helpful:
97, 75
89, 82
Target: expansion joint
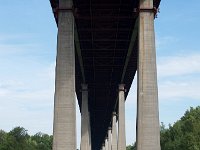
124, 90
82, 90
57, 10
151, 10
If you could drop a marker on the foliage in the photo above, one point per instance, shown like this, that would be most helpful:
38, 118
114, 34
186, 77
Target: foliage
131, 147
18, 139
183, 135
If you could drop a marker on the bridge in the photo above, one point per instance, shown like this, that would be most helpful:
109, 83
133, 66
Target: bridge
101, 45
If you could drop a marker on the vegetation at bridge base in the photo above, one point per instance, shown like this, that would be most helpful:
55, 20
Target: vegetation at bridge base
183, 135
131, 147
18, 139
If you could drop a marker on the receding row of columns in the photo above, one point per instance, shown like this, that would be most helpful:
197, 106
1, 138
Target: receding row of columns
64, 130
114, 140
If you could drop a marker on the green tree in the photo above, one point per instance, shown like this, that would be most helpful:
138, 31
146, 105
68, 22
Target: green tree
18, 138
131, 147
44, 141
3, 139
184, 134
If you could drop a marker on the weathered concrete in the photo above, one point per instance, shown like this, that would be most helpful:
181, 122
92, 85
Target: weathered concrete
121, 145
89, 127
106, 143
103, 146
114, 132
148, 131
64, 130
85, 133
109, 138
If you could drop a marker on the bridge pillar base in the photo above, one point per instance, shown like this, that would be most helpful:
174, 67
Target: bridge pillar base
148, 130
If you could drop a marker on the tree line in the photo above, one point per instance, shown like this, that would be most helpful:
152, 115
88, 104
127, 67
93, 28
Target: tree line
18, 139
182, 135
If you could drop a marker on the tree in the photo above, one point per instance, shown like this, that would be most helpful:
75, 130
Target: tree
44, 141
18, 139
184, 134
131, 147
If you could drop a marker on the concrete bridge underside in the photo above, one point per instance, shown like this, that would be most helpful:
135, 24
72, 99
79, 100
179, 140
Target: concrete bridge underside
101, 45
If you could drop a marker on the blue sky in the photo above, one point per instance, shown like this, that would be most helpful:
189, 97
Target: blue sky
27, 59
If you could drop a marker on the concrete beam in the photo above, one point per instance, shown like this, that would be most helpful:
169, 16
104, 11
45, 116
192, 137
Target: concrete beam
130, 49
78, 50
148, 130
64, 129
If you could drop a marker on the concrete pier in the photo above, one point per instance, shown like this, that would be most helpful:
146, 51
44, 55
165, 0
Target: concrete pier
64, 129
121, 145
109, 138
106, 143
103, 146
148, 131
85, 133
114, 132
89, 127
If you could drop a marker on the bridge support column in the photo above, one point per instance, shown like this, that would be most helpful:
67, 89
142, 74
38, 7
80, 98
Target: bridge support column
103, 146
109, 138
121, 145
148, 131
64, 129
89, 127
106, 143
85, 133
114, 132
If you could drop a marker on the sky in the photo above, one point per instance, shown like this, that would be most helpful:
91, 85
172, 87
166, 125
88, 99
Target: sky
27, 62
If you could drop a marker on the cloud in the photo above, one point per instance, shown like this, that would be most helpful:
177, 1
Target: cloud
25, 101
178, 65
48, 73
14, 37
15, 46
179, 77
12, 49
162, 42
179, 90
